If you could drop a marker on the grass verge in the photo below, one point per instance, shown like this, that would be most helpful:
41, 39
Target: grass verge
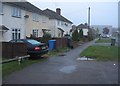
104, 40
101, 52
58, 51
11, 67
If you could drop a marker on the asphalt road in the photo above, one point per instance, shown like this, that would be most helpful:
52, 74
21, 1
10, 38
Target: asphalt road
67, 70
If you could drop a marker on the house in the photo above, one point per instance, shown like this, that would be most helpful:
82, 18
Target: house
58, 24
21, 19
84, 27
13, 20
35, 21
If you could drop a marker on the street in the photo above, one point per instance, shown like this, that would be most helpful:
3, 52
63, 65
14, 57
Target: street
67, 70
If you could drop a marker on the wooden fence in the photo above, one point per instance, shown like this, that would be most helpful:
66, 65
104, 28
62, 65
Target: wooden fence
60, 42
11, 50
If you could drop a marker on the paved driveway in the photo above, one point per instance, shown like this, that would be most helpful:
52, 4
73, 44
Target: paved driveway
67, 70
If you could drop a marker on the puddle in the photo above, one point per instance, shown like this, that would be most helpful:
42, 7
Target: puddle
68, 69
85, 58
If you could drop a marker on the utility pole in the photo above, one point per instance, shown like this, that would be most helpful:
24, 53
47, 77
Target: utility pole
88, 17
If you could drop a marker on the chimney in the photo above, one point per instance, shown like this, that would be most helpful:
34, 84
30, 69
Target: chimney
58, 11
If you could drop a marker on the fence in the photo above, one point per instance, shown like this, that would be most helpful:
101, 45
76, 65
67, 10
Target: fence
11, 50
60, 42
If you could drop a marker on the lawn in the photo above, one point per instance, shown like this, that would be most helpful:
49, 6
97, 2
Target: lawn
101, 52
104, 40
11, 67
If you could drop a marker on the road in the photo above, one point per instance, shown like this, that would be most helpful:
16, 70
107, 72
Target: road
67, 70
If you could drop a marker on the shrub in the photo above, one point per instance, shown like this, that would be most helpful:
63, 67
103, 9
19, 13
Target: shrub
75, 35
47, 35
81, 34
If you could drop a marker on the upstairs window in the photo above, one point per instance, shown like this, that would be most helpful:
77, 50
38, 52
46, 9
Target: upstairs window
62, 23
16, 12
35, 17
58, 22
43, 19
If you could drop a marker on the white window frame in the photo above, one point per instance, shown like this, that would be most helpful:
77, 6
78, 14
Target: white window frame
35, 32
16, 12
43, 19
16, 33
35, 17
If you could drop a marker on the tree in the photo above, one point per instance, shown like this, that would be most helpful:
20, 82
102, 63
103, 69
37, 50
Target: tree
105, 30
91, 34
75, 35
80, 34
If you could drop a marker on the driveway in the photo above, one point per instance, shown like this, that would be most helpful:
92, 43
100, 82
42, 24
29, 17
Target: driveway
67, 70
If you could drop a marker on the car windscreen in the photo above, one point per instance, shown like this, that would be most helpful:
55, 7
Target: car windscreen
33, 42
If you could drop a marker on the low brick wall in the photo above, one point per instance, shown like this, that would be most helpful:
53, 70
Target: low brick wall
11, 50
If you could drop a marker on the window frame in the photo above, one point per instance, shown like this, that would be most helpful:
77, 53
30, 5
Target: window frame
16, 12
43, 19
35, 32
35, 17
16, 33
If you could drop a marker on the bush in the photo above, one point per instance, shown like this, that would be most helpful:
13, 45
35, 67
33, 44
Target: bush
47, 35
81, 34
75, 35
91, 34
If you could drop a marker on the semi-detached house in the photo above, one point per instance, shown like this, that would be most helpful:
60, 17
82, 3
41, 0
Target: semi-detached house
58, 25
19, 20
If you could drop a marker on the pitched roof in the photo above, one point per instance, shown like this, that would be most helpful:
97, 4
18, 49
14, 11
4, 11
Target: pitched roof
82, 26
53, 15
26, 6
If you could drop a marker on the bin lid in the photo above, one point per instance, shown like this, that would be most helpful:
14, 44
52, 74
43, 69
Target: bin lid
52, 40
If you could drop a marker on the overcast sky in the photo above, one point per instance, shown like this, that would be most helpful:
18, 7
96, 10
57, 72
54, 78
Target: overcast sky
102, 13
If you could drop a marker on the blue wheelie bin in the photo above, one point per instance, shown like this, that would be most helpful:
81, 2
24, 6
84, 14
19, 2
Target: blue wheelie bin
52, 44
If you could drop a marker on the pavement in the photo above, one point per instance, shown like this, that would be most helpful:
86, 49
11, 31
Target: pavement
67, 70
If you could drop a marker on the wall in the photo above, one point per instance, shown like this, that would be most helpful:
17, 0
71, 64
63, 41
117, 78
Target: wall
63, 27
52, 27
43, 23
30, 25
